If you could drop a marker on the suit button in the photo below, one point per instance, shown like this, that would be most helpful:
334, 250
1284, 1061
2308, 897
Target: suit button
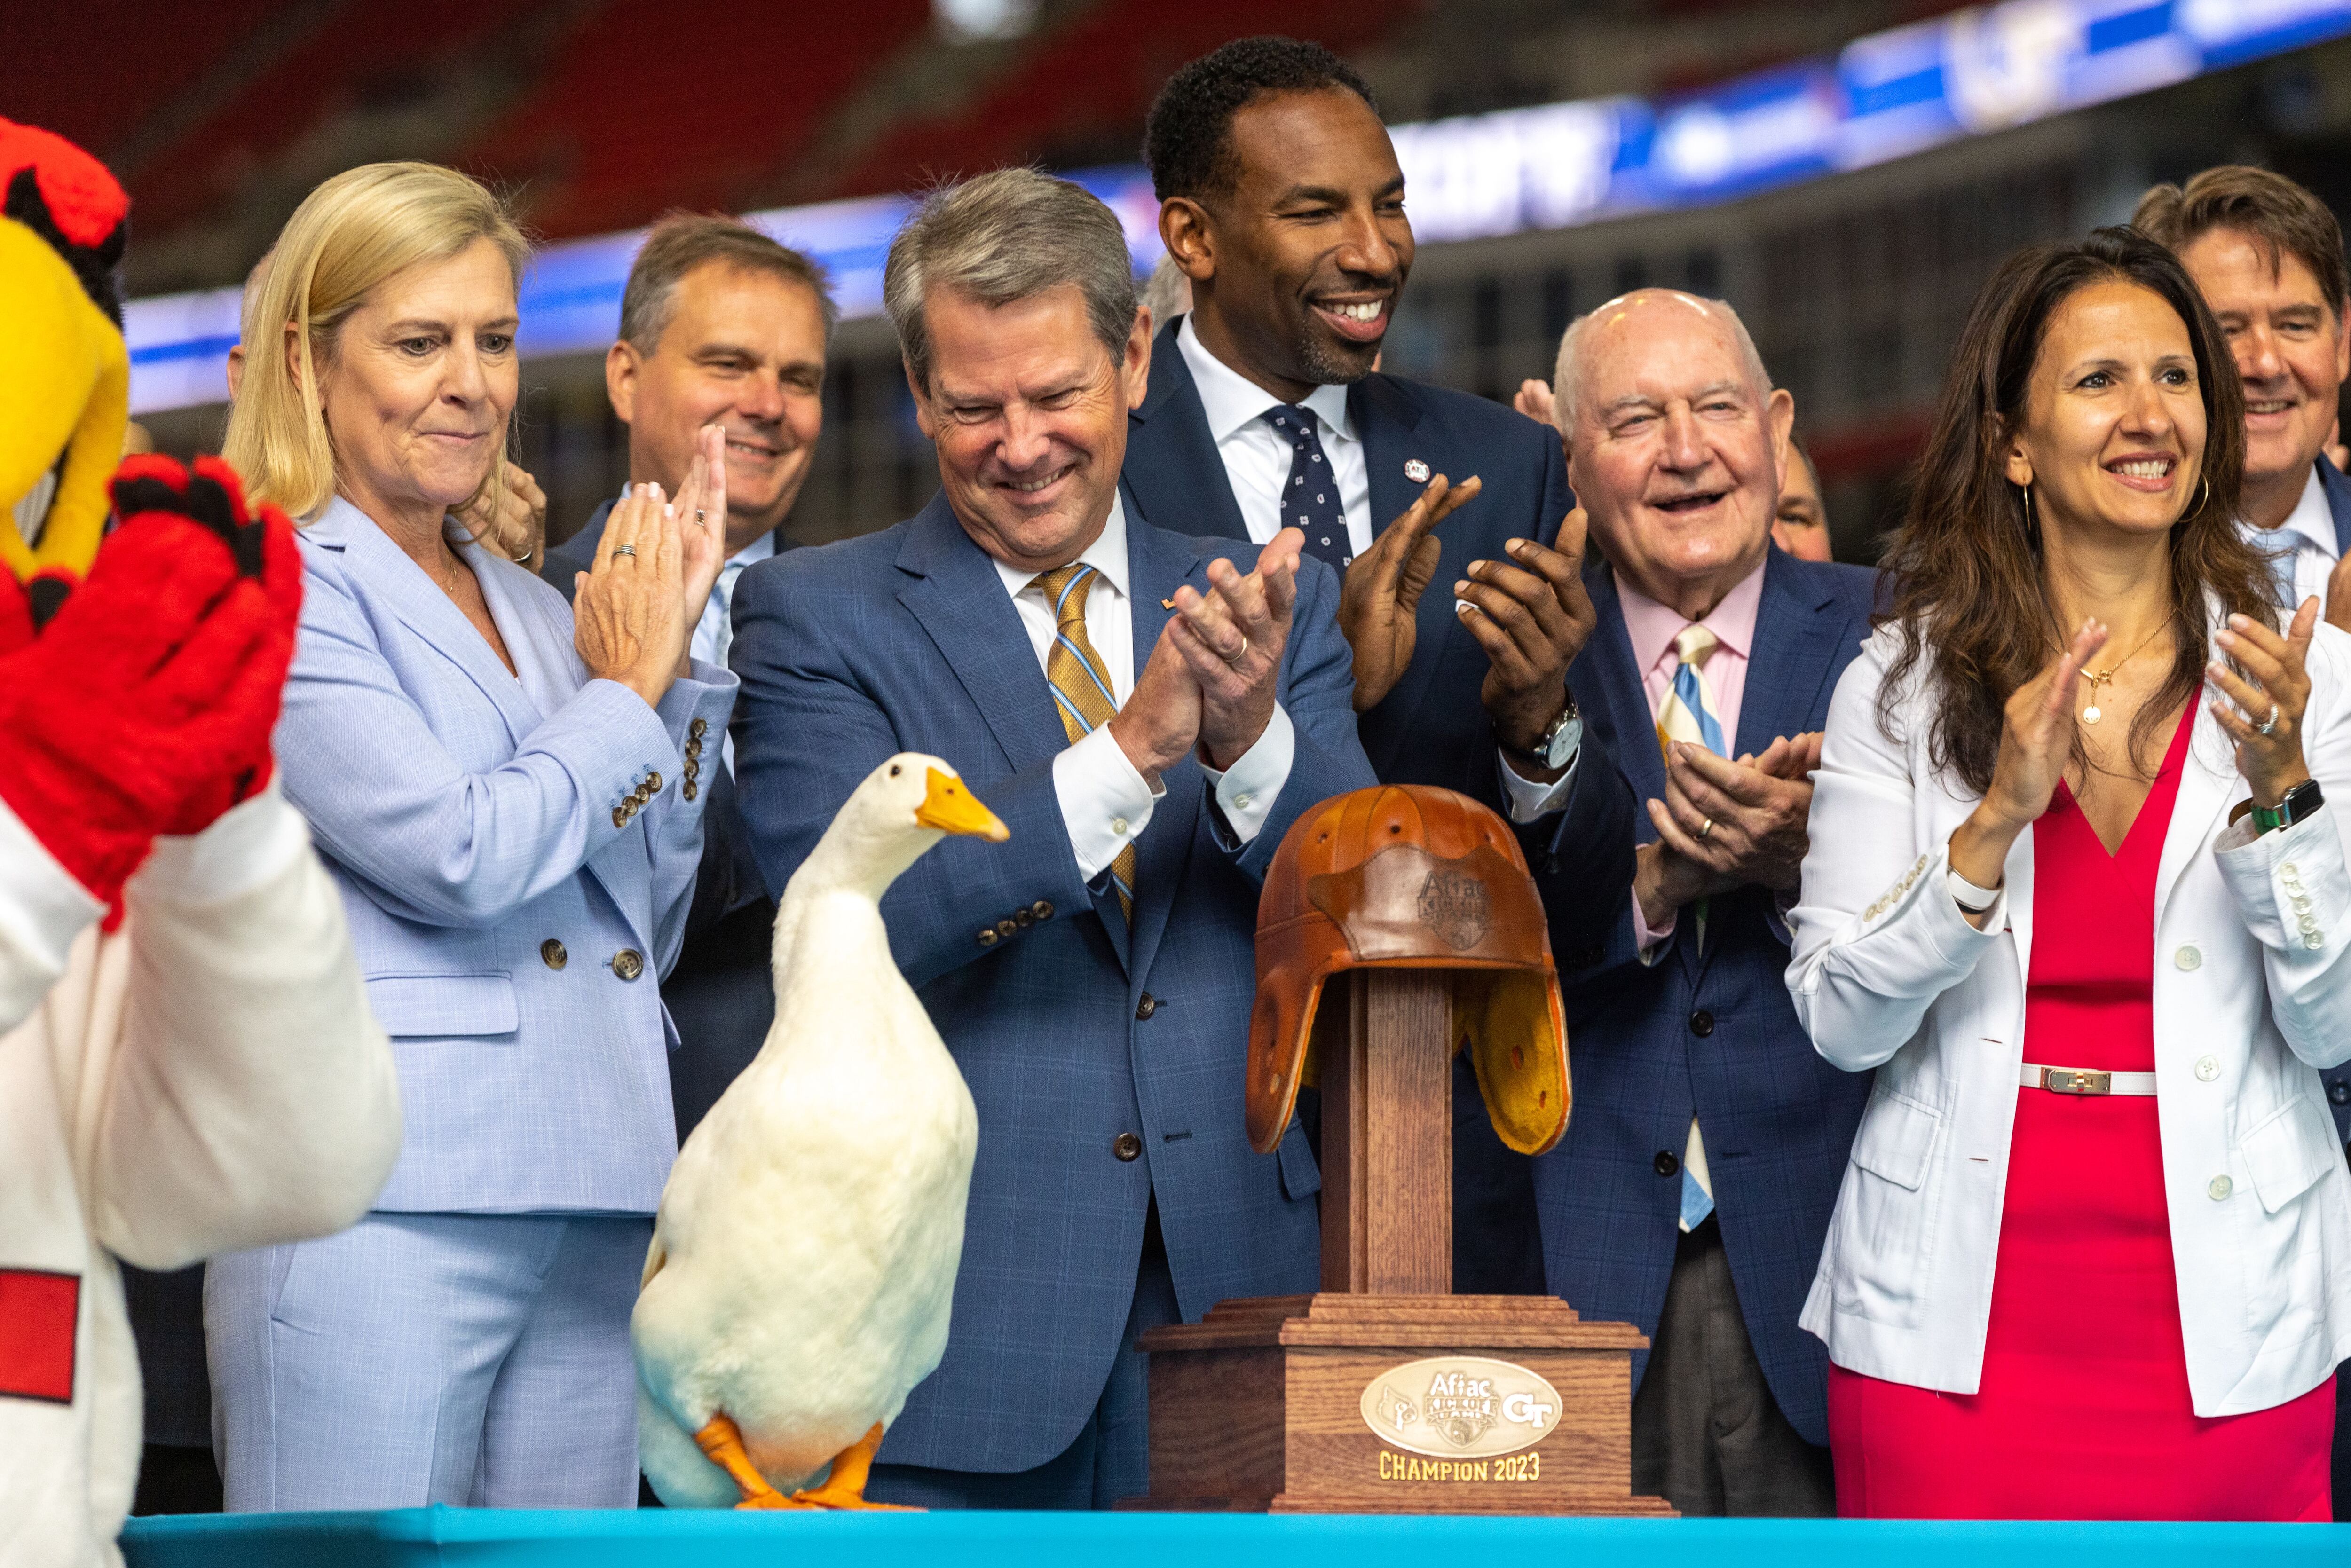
1004, 927
552, 951
988, 935
1701, 1023
1043, 909
2207, 1068
652, 785
1147, 1006
621, 816
1022, 918
698, 728
1127, 1147
2340, 1091
2220, 1187
2187, 957
628, 963
1667, 1163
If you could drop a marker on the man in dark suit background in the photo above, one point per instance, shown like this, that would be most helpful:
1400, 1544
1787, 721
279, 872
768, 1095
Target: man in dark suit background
2267, 256
720, 327
1283, 203
1692, 1192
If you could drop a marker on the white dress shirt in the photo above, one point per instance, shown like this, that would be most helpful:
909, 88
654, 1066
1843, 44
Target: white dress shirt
2309, 531
715, 632
1104, 801
1257, 460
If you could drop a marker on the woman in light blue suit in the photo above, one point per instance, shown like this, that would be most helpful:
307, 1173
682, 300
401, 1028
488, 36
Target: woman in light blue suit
510, 803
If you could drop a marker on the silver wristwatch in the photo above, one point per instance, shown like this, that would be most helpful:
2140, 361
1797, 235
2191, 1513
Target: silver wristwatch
1560, 742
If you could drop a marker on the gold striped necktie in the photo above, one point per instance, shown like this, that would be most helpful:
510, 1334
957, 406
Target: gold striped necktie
1081, 682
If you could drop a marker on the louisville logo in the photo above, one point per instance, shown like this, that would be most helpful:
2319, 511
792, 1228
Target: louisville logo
1456, 907
38, 1311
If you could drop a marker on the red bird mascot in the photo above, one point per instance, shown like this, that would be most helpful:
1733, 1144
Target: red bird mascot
186, 1061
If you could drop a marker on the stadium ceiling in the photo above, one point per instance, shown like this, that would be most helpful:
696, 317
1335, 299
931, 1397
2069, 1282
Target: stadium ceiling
1478, 176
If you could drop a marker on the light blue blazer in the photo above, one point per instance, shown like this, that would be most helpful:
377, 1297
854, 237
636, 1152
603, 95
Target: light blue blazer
511, 931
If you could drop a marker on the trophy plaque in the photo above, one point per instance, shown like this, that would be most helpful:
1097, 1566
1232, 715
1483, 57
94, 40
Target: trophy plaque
1398, 925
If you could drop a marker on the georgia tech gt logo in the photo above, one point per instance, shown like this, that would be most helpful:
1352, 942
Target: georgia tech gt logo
1460, 1406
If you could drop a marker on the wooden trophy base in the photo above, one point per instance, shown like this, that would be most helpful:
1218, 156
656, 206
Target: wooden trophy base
1393, 1403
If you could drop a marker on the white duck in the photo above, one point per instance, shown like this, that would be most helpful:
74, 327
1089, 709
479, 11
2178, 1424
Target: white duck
804, 1255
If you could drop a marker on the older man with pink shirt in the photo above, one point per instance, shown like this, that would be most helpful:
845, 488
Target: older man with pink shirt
1692, 1192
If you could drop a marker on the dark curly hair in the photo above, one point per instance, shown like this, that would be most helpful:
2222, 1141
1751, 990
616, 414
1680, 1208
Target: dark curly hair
1188, 140
1970, 593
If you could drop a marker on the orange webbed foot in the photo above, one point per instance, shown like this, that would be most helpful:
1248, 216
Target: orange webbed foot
844, 1486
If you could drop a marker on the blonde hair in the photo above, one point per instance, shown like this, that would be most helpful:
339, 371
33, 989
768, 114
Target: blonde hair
348, 236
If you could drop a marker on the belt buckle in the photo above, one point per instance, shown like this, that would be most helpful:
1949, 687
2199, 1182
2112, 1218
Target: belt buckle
2061, 1081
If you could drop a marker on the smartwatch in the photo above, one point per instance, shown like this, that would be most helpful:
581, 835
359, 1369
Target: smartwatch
2298, 805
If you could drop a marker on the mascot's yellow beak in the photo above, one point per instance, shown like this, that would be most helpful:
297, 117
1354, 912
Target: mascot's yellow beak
950, 808
65, 392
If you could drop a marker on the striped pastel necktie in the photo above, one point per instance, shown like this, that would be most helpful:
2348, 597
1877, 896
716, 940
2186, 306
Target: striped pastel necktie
1688, 715
1081, 682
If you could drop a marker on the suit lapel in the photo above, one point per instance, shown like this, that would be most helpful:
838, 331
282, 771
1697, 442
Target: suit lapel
1386, 415
2338, 503
960, 601
1172, 466
1158, 562
1793, 652
422, 606
1623, 698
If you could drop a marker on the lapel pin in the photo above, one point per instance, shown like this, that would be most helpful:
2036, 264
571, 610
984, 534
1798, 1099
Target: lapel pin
1415, 470
1166, 605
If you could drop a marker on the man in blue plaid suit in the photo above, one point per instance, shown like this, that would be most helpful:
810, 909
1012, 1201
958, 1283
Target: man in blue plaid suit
1149, 722
1692, 1192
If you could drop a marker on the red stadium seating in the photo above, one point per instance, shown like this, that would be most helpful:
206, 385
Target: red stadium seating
1093, 81
683, 104
339, 64
104, 67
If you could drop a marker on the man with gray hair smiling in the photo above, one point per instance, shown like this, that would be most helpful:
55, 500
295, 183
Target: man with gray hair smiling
1148, 719
1692, 1192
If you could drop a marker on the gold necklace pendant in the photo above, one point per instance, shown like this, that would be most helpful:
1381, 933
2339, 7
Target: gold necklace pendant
2091, 715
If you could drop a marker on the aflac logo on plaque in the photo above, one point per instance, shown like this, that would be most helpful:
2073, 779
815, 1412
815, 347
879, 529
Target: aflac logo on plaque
1460, 1406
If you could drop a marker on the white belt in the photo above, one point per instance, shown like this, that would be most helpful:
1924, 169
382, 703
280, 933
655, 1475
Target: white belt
2084, 1081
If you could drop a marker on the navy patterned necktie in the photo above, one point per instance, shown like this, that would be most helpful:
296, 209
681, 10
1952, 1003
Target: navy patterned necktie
1309, 499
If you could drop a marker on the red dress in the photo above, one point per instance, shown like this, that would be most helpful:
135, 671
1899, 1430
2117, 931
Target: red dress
2082, 1411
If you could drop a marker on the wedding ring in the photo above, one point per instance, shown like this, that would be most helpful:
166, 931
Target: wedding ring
1705, 827
700, 516
624, 550
2269, 723
1235, 661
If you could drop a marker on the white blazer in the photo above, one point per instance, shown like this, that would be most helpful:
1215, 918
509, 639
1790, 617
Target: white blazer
2252, 994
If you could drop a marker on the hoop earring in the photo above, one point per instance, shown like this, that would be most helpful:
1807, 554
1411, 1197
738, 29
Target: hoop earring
2206, 498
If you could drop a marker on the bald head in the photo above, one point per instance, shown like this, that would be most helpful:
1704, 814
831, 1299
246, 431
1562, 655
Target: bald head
1674, 442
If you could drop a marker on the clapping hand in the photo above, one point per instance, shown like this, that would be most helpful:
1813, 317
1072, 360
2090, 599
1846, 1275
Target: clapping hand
510, 521
2036, 741
629, 620
701, 508
1381, 595
1231, 639
2262, 709
1533, 617
1725, 824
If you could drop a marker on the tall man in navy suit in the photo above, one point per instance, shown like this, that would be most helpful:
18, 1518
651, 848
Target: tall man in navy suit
1692, 1192
1148, 720
1283, 202
721, 329
2267, 256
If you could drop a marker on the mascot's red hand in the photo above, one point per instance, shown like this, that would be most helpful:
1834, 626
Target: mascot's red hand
144, 705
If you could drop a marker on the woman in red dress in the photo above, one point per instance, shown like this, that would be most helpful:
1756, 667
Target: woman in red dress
2078, 1268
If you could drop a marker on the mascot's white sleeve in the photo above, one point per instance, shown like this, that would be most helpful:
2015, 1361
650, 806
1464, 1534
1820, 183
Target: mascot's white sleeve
252, 1099
42, 910
206, 1078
